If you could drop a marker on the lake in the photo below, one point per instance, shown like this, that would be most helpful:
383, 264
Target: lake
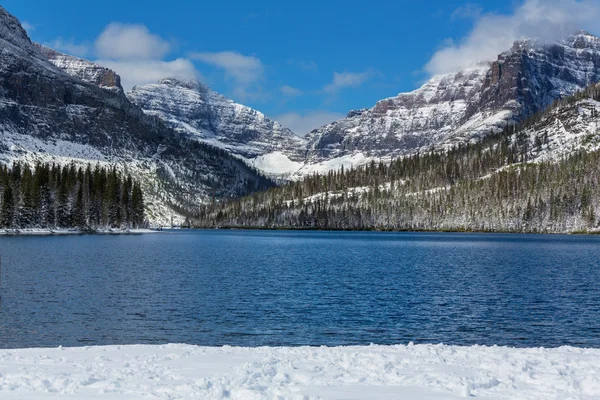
255, 288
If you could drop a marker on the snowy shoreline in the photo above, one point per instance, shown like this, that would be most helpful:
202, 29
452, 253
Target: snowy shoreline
59, 232
179, 371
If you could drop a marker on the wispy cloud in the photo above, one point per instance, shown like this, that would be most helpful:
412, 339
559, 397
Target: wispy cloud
343, 80
303, 123
246, 72
29, 28
244, 69
290, 91
307, 65
467, 11
546, 20
69, 46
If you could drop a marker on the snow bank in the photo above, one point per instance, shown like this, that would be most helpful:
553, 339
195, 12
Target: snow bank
374, 372
275, 163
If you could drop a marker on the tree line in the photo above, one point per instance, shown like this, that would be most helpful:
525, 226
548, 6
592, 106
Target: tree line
54, 196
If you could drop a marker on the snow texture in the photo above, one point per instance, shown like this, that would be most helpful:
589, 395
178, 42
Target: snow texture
373, 372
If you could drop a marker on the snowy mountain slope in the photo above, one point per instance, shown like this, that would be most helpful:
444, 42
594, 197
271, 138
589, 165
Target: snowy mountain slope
565, 129
48, 113
461, 106
196, 111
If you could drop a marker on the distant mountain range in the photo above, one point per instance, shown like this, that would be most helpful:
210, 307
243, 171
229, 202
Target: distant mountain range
448, 109
189, 145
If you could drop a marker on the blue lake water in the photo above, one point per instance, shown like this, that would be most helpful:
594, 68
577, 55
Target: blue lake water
253, 288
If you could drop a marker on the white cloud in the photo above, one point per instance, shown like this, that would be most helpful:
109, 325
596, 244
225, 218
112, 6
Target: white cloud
545, 20
301, 124
289, 91
246, 72
135, 53
244, 69
125, 41
139, 72
343, 80
69, 47
28, 27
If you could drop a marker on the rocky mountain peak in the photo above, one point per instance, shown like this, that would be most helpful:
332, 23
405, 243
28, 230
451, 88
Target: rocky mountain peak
583, 39
12, 32
192, 84
82, 69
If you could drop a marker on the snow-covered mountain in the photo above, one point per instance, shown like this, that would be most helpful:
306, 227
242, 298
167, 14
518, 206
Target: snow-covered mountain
197, 111
83, 69
464, 105
446, 110
80, 114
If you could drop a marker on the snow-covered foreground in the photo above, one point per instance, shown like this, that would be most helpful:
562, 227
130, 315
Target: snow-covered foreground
373, 372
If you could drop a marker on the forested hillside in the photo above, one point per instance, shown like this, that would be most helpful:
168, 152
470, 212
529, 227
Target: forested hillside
521, 180
51, 196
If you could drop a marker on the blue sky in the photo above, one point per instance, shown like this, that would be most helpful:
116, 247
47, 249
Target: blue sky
304, 63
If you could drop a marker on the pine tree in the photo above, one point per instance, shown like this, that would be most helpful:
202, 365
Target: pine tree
7, 211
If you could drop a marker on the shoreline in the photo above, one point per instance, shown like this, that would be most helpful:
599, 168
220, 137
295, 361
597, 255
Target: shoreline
234, 228
72, 232
179, 371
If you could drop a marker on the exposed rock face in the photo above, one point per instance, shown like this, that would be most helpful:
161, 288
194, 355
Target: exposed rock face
532, 76
47, 114
408, 121
85, 70
460, 106
194, 110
